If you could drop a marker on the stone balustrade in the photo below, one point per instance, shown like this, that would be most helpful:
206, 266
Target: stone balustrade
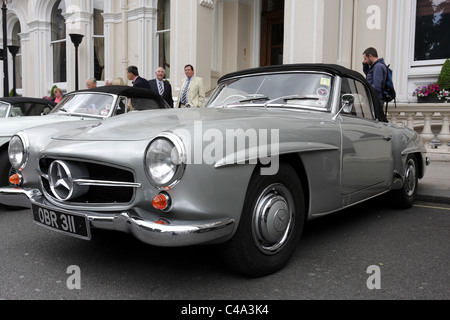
430, 120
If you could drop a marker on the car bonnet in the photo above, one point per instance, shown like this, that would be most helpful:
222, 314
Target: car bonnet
144, 125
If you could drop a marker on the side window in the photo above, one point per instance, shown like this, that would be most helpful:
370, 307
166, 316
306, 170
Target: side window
16, 111
46, 109
361, 106
362, 101
28, 109
346, 88
121, 106
37, 109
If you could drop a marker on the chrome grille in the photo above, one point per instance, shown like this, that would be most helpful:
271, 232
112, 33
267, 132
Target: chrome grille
75, 182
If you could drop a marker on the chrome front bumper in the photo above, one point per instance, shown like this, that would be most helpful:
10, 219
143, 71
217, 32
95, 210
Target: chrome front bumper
17, 197
174, 233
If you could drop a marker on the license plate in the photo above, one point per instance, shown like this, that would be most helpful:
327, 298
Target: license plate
72, 224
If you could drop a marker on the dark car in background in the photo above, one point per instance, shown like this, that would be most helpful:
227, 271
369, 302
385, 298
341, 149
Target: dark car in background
24, 106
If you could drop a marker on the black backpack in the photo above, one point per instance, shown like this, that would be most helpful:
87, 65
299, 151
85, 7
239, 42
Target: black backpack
388, 91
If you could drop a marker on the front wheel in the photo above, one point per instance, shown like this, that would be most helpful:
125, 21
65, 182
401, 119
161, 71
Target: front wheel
404, 198
271, 224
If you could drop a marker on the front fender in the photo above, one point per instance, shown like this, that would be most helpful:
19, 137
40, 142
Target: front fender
404, 143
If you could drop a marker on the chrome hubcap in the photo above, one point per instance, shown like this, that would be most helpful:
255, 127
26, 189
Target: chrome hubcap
273, 218
410, 177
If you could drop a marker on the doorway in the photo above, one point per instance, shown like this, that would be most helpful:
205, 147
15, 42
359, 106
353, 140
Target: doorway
272, 32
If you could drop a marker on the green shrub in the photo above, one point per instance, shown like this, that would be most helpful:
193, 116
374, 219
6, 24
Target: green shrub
444, 76
52, 91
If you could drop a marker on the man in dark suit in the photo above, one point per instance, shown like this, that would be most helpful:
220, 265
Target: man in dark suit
138, 82
162, 87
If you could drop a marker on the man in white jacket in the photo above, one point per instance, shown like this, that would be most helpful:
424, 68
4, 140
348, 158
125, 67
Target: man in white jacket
192, 94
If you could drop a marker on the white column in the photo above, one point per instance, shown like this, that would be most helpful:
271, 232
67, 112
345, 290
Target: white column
427, 135
38, 76
444, 135
190, 38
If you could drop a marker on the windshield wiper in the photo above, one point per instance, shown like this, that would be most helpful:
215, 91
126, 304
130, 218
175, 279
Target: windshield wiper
254, 99
292, 97
65, 110
285, 98
249, 99
300, 98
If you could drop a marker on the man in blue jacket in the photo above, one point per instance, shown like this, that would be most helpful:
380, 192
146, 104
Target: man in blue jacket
375, 70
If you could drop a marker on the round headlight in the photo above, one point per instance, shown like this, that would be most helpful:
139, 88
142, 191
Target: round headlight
164, 160
18, 152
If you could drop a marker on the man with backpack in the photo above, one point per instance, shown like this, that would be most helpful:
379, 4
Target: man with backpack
378, 75
375, 70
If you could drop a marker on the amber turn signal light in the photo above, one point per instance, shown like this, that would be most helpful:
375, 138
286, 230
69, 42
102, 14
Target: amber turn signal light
161, 201
15, 179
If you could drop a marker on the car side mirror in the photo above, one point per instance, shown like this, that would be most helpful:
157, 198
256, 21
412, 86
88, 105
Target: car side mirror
347, 101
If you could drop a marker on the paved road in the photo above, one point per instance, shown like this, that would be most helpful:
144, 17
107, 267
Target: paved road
410, 249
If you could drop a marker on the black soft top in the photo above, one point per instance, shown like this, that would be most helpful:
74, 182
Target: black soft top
329, 68
130, 92
14, 100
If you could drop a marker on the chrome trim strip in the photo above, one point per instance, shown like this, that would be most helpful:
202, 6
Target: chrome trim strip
103, 183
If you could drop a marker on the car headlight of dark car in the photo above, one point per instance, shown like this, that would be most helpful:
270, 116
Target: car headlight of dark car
18, 151
165, 160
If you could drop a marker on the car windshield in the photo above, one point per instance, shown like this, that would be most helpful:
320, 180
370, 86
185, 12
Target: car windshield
288, 90
86, 104
3, 109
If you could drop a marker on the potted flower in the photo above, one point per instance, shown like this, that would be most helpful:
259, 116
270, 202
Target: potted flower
428, 94
52, 93
444, 96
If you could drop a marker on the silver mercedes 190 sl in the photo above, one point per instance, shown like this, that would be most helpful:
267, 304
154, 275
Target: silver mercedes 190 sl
274, 147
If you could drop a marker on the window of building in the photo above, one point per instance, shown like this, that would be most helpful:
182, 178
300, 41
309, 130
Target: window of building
163, 34
272, 5
272, 32
99, 41
58, 42
432, 40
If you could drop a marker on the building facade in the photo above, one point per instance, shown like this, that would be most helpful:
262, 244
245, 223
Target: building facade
219, 36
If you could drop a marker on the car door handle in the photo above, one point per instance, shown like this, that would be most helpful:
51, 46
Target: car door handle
388, 138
